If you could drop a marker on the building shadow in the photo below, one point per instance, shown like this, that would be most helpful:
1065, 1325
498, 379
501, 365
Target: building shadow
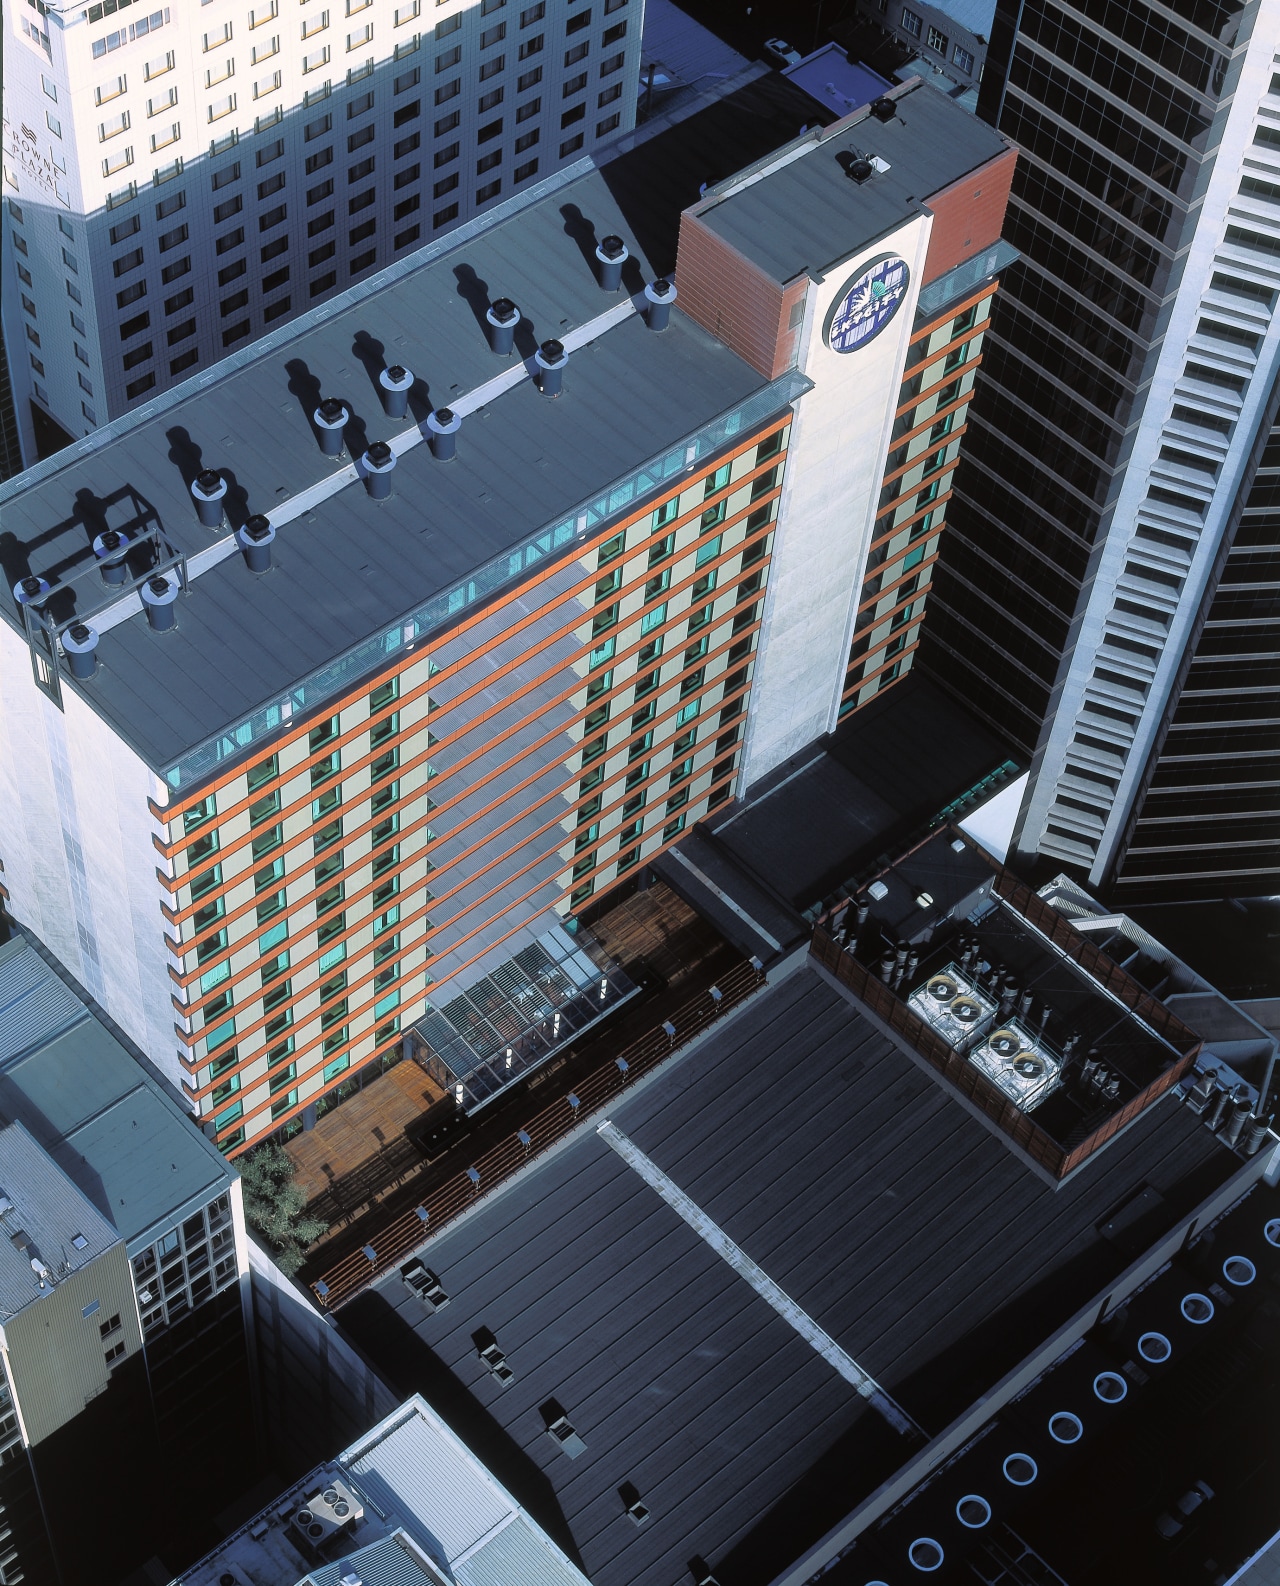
410, 1366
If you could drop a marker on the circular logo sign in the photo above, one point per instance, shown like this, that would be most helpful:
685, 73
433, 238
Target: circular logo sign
867, 303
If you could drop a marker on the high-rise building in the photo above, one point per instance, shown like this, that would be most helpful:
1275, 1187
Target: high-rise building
127, 1319
181, 181
1099, 597
275, 791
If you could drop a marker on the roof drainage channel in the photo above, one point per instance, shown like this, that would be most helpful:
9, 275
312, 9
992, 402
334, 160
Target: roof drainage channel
413, 435
791, 1313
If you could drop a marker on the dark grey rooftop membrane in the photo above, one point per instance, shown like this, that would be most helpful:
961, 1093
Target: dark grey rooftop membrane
809, 214
900, 1224
350, 566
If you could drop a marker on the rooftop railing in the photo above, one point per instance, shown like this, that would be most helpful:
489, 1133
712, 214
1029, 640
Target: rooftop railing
404, 1234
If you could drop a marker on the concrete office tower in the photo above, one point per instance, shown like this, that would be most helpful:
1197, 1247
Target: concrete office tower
126, 1297
1128, 388
278, 793
179, 181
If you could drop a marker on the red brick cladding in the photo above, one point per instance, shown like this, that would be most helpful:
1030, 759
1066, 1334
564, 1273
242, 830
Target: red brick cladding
967, 216
735, 300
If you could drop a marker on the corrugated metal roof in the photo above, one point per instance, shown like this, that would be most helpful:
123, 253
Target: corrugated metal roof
418, 1471
517, 1556
385, 1562
61, 1228
808, 215
34, 1003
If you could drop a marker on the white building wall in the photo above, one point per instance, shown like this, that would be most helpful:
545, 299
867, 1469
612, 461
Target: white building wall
79, 863
1154, 568
835, 468
139, 133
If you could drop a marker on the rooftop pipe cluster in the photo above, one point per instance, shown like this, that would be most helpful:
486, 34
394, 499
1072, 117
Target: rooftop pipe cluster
158, 593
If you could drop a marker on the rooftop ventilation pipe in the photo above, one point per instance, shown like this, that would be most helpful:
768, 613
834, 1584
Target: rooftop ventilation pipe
883, 109
444, 425
659, 295
255, 540
159, 596
611, 255
860, 169
330, 419
394, 385
208, 489
31, 591
111, 547
500, 322
551, 359
378, 463
80, 646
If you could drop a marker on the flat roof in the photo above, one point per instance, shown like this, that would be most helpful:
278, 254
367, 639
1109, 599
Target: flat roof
835, 82
806, 214
349, 566
93, 1106
832, 809
898, 1222
48, 1228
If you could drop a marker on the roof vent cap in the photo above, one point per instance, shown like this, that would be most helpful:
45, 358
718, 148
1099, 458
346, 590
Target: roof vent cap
501, 320
377, 463
659, 296
443, 426
394, 385
159, 595
31, 591
111, 547
255, 539
883, 109
80, 646
208, 489
611, 255
551, 359
860, 170
331, 418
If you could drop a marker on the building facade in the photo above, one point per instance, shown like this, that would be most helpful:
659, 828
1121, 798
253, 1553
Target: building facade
562, 639
1126, 391
928, 431
179, 182
949, 39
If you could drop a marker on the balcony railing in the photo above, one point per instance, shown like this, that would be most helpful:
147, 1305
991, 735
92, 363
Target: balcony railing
354, 1273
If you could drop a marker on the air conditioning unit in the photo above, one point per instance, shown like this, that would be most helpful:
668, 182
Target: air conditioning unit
329, 1510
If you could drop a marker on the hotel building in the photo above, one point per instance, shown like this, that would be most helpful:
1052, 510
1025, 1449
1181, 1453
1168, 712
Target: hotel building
602, 571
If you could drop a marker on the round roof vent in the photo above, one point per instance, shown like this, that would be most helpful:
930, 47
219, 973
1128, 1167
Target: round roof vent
208, 479
397, 372
552, 350
80, 632
503, 308
379, 453
332, 411
612, 247
1065, 1427
926, 1554
1020, 1469
1197, 1308
883, 109
860, 170
1154, 1348
444, 415
661, 286
1110, 1387
1239, 1270
258, 527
